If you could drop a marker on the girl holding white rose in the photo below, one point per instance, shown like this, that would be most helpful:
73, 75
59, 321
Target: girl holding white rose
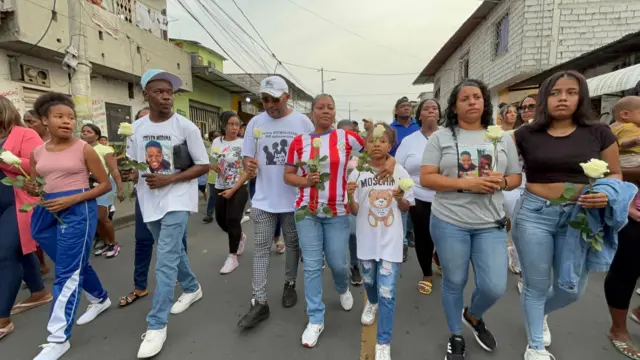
468, 163
552, 149
317, 166
377, 204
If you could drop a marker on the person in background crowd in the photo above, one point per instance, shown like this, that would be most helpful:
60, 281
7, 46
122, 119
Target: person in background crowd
243, 128
409, 156
17, 248
202, 187
273, 200
509, 118
166, 200
627, 129
356, 276
230, 188
211, 181
625, 268
467, 214
32, 120
66, 223
368, 124
355, 126
527, 109
404, 125
144, 248
380, 236
90, 134
552, 149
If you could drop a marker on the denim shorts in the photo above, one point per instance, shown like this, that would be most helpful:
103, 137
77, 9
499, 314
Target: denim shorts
108, 198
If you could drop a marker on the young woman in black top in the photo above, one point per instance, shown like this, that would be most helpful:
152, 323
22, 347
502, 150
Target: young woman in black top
552, 148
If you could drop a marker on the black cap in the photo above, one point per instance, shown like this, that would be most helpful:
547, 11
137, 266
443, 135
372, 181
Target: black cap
402, 100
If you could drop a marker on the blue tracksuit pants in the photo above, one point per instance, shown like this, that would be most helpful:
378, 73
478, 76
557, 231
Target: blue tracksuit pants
68, 245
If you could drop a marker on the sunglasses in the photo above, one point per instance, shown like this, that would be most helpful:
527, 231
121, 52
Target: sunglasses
529, 107
270, 99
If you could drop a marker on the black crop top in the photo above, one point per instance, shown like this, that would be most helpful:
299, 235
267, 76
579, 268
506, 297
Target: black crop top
549, 159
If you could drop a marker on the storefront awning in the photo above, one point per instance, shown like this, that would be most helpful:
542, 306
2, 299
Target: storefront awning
219, 79
614, 82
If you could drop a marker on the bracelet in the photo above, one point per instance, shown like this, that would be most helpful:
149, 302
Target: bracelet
506, 184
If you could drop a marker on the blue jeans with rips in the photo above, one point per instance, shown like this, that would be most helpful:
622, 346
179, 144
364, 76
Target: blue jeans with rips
380, 279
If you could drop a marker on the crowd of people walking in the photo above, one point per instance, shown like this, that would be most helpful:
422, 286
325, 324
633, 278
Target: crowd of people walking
450, 182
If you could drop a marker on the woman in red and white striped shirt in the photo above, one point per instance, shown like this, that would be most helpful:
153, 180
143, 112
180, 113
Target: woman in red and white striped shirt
317, 166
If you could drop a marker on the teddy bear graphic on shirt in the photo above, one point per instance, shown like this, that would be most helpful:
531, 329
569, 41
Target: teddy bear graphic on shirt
380, 209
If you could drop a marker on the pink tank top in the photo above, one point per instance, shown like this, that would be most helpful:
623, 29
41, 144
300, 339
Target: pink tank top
64, 170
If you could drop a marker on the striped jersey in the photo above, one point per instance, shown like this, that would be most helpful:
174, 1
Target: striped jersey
337, 145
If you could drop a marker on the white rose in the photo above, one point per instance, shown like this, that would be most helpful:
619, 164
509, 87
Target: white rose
405, 184
215, 150
8, 157
378, 131
494, 133
257, 133
125, 129
316, 143
595, 168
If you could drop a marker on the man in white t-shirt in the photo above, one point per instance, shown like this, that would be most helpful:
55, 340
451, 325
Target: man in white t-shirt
166, 194
265, 147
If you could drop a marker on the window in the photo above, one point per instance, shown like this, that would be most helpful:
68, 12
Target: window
464, 67
502, 35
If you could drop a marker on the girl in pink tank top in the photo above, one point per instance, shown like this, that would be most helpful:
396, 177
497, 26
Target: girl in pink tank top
64, 163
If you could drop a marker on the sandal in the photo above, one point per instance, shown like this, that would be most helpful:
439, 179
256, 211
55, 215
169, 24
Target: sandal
425, 287
131, 298
24, 306
7, 330
627, 349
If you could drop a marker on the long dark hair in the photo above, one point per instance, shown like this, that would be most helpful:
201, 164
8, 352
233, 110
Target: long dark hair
503, 114
419, 110
520, 120
583, 114
451, 117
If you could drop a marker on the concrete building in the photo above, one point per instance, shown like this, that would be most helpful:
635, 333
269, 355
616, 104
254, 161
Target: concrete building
300, 100
506, 41
124, 38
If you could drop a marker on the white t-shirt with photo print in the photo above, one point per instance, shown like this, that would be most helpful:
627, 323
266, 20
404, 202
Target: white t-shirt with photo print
152, 143
272, 194
379, 229
229, 160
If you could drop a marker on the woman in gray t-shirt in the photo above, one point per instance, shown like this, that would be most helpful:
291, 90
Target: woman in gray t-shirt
468, 219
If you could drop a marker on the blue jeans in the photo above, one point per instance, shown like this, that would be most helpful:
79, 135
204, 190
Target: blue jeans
144, 251
380, 279
353, 242
171, 263
252, 191
329, 236
211, 203
539, 231
487, 250
407, 226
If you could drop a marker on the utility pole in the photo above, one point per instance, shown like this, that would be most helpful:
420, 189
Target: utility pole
322, 78
78, 65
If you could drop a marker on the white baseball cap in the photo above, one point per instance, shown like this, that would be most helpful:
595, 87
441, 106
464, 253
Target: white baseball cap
274, 86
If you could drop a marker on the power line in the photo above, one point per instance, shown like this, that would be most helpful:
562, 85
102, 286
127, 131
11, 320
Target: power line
254, 29
349, 72
46, 30
351, 31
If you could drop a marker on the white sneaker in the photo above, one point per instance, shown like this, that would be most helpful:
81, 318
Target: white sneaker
152, 342
243, 241
245, 219
230, 264
346, 300
546, 332
53, 351
185, 300
369, 313
533, 354
383, 352
93, 311
311, 334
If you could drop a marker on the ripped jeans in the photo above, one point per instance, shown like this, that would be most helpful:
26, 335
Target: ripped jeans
380, 279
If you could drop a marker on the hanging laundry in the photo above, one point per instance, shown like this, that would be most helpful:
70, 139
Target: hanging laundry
143, 19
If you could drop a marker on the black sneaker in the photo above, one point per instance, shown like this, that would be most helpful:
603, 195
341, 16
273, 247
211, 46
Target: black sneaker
411, 238
207, 219
356, 277
405, 252
455, 348
480, 331
289, 295
257, 314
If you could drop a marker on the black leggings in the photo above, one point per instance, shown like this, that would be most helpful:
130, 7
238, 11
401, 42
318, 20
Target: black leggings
421, 217
625, 268
229, 214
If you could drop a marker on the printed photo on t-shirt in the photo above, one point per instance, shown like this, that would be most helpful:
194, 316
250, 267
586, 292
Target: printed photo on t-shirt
474, 160
275, 145
380, 201
231, 164
158, 153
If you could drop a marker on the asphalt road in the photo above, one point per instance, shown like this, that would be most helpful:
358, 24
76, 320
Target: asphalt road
208, 329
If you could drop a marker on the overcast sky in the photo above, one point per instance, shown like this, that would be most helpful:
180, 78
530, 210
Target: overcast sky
399, 36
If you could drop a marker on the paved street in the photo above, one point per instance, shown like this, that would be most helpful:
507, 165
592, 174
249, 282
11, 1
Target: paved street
208, 329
